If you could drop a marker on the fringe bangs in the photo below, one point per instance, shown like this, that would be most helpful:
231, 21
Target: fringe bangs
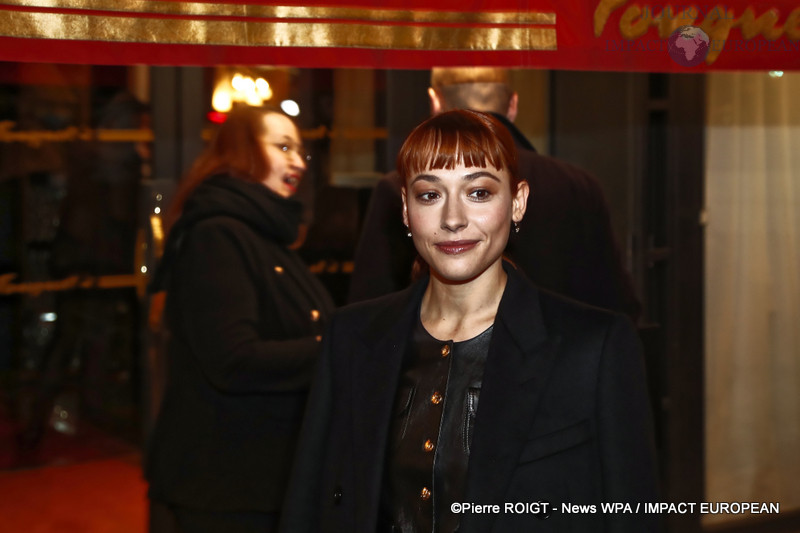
457, 138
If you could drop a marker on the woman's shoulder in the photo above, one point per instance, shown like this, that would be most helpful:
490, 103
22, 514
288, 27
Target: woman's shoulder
381, 313
221, 222
388, 303
228, 233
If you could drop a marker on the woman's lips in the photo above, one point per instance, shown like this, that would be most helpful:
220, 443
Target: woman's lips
455, 247
292, 182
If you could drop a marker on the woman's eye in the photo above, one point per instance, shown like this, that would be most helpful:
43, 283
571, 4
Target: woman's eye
480, 194
427, 197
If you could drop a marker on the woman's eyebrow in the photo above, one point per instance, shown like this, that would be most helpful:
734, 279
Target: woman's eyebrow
430, 178
426, 177
283, 139
480, 174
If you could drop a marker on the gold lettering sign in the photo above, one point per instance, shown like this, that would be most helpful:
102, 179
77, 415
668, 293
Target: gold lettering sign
792, 26
717, 22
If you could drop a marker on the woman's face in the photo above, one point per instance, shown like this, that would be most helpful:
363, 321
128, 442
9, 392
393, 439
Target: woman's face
285, 154
460, 218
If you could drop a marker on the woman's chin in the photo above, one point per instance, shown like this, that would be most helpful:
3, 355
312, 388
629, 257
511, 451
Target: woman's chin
452, 275
281, 190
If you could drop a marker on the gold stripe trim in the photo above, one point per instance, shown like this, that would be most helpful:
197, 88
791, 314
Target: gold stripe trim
290, 12
35, 288
289, 34
35, 138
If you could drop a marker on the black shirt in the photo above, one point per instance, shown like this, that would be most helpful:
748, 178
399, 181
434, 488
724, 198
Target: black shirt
431, 432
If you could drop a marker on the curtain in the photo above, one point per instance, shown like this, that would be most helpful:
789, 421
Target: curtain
752, 284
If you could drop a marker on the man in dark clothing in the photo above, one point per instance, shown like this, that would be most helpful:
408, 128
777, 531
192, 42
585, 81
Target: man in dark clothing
564, 244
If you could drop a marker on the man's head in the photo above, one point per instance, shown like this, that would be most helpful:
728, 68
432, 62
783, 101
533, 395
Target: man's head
477, 88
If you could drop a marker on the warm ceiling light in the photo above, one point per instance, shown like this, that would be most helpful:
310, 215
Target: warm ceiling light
248, 85
263, 89
222, 101
237, 82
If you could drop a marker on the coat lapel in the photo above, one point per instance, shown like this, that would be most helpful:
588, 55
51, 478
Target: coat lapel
377, 363
520, 358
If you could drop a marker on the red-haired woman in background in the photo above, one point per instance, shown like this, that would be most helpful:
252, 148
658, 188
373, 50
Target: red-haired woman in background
436, 408
245, 318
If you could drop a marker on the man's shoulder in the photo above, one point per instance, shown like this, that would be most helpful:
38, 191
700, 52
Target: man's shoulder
553, 167
387, 189
551, 177
390, 182
559, 313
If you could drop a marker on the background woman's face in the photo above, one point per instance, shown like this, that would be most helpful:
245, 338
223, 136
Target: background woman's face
285, 155
460, 218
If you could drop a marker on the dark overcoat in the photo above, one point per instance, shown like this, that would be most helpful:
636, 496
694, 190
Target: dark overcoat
245, 318
563, 418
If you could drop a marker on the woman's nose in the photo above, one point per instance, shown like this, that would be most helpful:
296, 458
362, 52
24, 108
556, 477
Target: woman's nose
453, 216
298, 160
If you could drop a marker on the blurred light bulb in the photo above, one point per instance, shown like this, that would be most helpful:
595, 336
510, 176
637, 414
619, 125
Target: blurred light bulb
263, 89
248, 85
221, 101
237, 82
776, 74
290, 107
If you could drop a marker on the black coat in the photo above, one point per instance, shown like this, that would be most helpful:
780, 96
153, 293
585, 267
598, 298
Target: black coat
563, 418
565, 244
246, 318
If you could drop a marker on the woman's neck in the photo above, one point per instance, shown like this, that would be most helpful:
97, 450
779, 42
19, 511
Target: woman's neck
461, 311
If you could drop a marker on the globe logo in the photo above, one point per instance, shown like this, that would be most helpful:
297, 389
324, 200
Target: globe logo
688, 46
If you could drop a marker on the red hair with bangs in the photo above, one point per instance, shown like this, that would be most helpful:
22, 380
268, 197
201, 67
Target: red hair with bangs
458, 137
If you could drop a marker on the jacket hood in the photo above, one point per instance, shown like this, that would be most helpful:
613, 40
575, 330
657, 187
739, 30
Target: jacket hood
274, 217
252, 203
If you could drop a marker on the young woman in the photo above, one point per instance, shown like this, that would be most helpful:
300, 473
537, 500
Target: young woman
472, 387
246, 318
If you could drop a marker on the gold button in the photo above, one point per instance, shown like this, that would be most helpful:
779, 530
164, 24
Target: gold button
428, 446
445, 350
314, 315
279, 269
436, 399
318, 338
425, 494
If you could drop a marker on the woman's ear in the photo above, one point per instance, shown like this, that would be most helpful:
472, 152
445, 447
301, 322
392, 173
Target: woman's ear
435, 101
520, 202
513, 104
404, 197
